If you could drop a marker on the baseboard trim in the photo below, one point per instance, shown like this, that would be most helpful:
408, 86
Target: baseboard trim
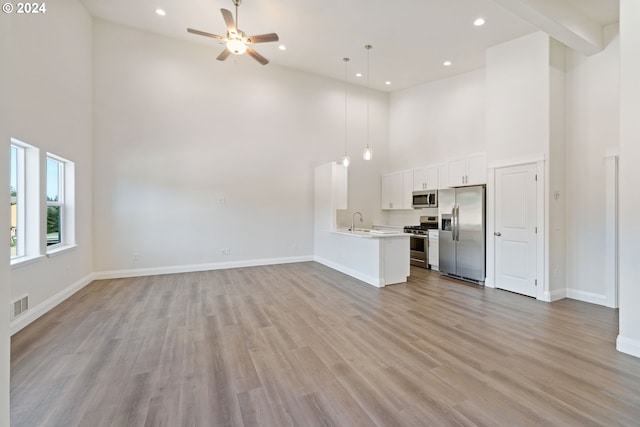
39, 310
556, 295
374, 281
585, 296
155, 271
628, 345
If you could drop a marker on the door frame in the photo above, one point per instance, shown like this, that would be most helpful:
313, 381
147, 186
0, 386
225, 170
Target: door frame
542, 289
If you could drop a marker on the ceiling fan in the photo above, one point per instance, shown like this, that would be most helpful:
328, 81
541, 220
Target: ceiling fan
237, 41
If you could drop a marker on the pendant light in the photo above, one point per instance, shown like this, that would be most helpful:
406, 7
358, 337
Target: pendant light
345, 160
367, 154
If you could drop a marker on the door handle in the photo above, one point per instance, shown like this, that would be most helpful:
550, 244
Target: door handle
497, 234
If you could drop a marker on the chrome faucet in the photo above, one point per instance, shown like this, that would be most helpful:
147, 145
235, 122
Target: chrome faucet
353, 220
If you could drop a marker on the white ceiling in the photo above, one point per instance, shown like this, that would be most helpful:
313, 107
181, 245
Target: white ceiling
410, 39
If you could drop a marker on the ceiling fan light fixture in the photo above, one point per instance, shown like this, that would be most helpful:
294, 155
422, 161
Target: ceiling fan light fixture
236, 46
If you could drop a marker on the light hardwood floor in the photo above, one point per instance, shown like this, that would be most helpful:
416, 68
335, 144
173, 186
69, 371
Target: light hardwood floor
301, 344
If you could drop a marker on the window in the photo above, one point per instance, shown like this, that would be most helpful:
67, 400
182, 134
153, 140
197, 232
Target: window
55, 201
24, 229
16, 203
60, 191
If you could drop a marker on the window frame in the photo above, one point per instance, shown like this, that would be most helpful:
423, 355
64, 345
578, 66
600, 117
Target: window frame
28, 211
21, 224
65, 203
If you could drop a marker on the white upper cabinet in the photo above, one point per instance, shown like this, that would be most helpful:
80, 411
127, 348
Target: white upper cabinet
396, 189
425, 178
443, 176
469, 170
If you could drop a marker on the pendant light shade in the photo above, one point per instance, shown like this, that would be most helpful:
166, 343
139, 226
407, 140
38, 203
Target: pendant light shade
367, 153
346, 161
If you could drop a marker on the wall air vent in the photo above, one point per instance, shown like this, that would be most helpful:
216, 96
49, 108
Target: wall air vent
19, 306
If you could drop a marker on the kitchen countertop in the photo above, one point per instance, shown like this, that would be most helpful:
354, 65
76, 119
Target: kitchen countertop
368, 233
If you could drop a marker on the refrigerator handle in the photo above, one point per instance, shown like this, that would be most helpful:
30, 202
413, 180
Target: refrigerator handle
453, 223
457, 222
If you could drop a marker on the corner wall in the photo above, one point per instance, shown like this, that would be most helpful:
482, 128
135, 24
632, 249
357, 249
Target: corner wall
194, 156
51, 77
629, 337
593, 121
5, 286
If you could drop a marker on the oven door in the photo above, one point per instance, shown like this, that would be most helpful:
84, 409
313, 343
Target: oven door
418, 251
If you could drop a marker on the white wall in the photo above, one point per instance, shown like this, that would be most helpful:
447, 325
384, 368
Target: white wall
557, 167
50, 92
5, 291
629, 337
432, 123
177, 132
593, 102
517, 87
437, 121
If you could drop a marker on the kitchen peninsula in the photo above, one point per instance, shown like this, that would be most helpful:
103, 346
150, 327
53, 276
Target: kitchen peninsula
377, 257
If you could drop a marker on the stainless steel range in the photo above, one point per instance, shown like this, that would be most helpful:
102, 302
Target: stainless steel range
419, 241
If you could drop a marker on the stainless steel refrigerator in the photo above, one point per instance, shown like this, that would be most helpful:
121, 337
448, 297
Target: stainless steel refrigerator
462, 233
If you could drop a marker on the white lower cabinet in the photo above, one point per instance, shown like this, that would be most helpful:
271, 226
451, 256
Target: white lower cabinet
434, 249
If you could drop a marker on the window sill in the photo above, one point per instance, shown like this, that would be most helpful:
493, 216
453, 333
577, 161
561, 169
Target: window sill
60, 250
25, 260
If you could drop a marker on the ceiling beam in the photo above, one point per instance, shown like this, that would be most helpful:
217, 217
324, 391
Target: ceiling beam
561, 21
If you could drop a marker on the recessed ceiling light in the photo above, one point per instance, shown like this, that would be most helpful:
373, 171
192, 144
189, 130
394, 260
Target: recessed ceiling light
446, 63
161, 12
479, 22
358, 74
387, 82
282, 47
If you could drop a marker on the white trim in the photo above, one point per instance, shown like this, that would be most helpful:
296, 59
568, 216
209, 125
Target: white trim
611, 232
585, 296
542, 244
518, 161
154, 271
612, 152
628, 345
25, 260
556, 295
374, 281
34, 313
59, 250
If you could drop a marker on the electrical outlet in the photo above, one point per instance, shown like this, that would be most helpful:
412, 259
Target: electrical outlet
221, 200
135, 256
225, 251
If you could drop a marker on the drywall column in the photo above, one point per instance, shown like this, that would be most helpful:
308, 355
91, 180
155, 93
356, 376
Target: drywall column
525, 81
629, 336
4, 219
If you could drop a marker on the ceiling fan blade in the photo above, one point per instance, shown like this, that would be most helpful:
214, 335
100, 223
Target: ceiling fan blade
263, 38
228, 20
202, 33
255, 55
225, 53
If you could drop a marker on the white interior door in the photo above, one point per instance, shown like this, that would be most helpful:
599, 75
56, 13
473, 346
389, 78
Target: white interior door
515, 229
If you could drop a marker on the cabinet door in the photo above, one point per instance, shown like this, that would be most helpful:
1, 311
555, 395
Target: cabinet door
477, 169
457, 172
443, 176
407, 189
420, 179
431, 178
391, 191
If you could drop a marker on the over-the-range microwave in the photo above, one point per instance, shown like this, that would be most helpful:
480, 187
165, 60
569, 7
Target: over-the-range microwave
425, 199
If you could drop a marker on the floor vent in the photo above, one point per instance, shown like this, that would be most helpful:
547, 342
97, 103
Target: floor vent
19, 306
